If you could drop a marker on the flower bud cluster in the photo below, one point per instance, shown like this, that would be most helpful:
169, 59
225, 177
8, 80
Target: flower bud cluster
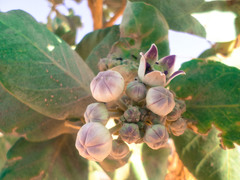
145, 111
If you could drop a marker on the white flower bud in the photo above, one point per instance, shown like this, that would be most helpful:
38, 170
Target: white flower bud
130, 133
96, 112
178, 127
107, 86
94, 141
156, 136
160, 100
136, 91
119, 149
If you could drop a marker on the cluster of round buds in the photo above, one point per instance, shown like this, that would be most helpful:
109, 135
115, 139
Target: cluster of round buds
146, 112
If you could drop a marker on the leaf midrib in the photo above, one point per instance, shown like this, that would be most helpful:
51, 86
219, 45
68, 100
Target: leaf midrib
45, 54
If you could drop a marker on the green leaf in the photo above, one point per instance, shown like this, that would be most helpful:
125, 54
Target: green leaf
54, 159
102, 49
155, 162
91, 40
211, 92
110, 164
205, 159
18, 119
41, 70
142, 25
178, 14
5, 144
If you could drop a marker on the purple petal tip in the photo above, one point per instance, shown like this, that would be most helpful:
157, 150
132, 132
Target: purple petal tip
152, 53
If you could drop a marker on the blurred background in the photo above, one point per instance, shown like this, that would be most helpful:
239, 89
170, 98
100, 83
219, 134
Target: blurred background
75, 18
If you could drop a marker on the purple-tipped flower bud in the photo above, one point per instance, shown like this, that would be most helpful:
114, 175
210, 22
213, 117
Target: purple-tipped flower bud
136, 91
178, 127
96, 112
160, 100
132, 114
181, 105
107, 86
119, 149
156, 136
130, 133
94, 141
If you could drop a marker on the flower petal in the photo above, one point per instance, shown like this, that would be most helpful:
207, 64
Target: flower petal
142, 67
151, 55
168, 64
174, 75
155, 78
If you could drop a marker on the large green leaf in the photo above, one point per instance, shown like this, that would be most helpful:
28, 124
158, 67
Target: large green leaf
205, 159
54, 159
18, 119
178, 14
41, 70
103, 48
155, 162
211, 92
91, 40
142, 25
5, 144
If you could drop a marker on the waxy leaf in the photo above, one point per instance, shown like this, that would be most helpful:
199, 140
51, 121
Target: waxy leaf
178, 14
18, 119
5, 144
205, 159
155, 162
92, 39
54, 159
142, 25
40, 69
102, 49
211, 92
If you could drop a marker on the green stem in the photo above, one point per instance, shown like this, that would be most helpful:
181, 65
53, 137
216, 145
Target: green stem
121, 104
115, 114
115, 128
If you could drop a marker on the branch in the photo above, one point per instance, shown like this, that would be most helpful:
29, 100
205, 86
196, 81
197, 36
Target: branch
97, 13
117, 14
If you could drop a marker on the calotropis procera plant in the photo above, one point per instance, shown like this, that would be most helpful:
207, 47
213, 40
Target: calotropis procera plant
120, 103
141, 115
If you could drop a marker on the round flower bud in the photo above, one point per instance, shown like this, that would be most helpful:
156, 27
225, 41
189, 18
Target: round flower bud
156, 136
160, 100
174, 114
107, 86
136, 91
96, 112
119, 149
132, 114
181, 105
178, 127
94, 141
130, 133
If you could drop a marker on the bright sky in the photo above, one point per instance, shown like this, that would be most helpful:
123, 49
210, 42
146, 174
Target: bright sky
185, 46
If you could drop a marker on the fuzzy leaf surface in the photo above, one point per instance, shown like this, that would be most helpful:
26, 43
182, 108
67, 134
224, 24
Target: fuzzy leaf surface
41, 70
54, 159
178, 14
102, 49
92, 39
211, 92
18, 119
205, 159
155, 162
142, 25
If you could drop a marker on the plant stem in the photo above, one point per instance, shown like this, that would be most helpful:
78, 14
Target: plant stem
115, 114
121, 104
73, 125
115, 128
97, 12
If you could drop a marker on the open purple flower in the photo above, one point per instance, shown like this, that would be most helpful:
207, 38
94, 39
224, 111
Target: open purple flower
156, 73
